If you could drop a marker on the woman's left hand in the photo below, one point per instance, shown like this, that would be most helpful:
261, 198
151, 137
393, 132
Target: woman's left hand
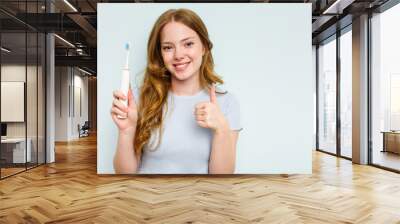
209, 114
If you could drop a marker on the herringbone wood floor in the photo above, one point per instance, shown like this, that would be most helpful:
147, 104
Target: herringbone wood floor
70, 191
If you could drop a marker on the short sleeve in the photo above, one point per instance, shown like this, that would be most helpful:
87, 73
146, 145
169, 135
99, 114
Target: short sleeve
232, 112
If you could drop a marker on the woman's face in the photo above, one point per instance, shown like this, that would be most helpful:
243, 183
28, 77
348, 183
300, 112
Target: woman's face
182, 51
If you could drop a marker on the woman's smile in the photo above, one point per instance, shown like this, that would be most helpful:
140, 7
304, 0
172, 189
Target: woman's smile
179, 67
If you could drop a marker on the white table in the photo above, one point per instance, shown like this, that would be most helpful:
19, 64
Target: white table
19, 149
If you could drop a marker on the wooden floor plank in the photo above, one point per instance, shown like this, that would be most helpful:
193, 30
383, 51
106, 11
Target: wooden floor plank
70, 191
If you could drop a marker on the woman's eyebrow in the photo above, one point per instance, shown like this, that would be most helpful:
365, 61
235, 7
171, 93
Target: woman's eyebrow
187, 38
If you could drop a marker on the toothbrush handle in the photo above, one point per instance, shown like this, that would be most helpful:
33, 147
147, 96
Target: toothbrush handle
125, 80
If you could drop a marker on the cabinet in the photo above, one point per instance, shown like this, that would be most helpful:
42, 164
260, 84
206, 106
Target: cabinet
391, 141
13, 150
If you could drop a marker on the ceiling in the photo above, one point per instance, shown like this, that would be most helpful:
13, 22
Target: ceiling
76, 22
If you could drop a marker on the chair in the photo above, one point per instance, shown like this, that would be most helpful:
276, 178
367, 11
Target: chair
84, 130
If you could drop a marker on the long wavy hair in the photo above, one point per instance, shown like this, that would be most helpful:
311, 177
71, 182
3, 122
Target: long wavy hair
157, 79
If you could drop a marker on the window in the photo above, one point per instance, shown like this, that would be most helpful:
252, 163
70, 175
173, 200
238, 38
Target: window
385, 89
346, 93
327, 97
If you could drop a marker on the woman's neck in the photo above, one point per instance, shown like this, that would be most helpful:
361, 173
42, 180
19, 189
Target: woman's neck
185, 87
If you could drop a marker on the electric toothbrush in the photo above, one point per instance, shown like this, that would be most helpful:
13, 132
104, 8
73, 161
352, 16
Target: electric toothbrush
125, 79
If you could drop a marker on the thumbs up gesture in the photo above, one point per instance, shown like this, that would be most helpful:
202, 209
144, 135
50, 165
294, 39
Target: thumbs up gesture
209, 115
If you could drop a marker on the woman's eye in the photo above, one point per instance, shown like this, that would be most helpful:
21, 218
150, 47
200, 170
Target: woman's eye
167, 48
189, 44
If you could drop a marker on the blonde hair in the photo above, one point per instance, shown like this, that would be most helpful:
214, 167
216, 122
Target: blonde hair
157, 79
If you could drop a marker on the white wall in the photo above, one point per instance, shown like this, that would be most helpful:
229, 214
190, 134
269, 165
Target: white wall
61, 103
314, 74
16, 72
34, 125
265, 62
68, 81
13, 101
79, 117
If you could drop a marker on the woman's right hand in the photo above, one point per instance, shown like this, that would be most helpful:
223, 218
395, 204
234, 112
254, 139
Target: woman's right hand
127, 124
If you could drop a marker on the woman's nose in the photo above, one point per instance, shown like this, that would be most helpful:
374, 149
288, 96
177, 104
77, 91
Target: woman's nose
179, 53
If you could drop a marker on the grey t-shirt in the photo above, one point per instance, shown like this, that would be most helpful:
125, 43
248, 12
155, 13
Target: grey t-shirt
185, 146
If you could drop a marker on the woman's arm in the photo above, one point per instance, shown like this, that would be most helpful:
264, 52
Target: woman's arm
223, 151
223, 148
125, 161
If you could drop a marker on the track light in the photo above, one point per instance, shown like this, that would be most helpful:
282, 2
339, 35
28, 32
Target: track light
84, 71
337, 7
5, 50
70, 5
65, 41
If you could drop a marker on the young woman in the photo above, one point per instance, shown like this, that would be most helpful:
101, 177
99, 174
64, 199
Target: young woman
177, 122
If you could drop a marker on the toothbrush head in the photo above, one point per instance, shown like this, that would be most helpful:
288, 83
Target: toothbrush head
127, 46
